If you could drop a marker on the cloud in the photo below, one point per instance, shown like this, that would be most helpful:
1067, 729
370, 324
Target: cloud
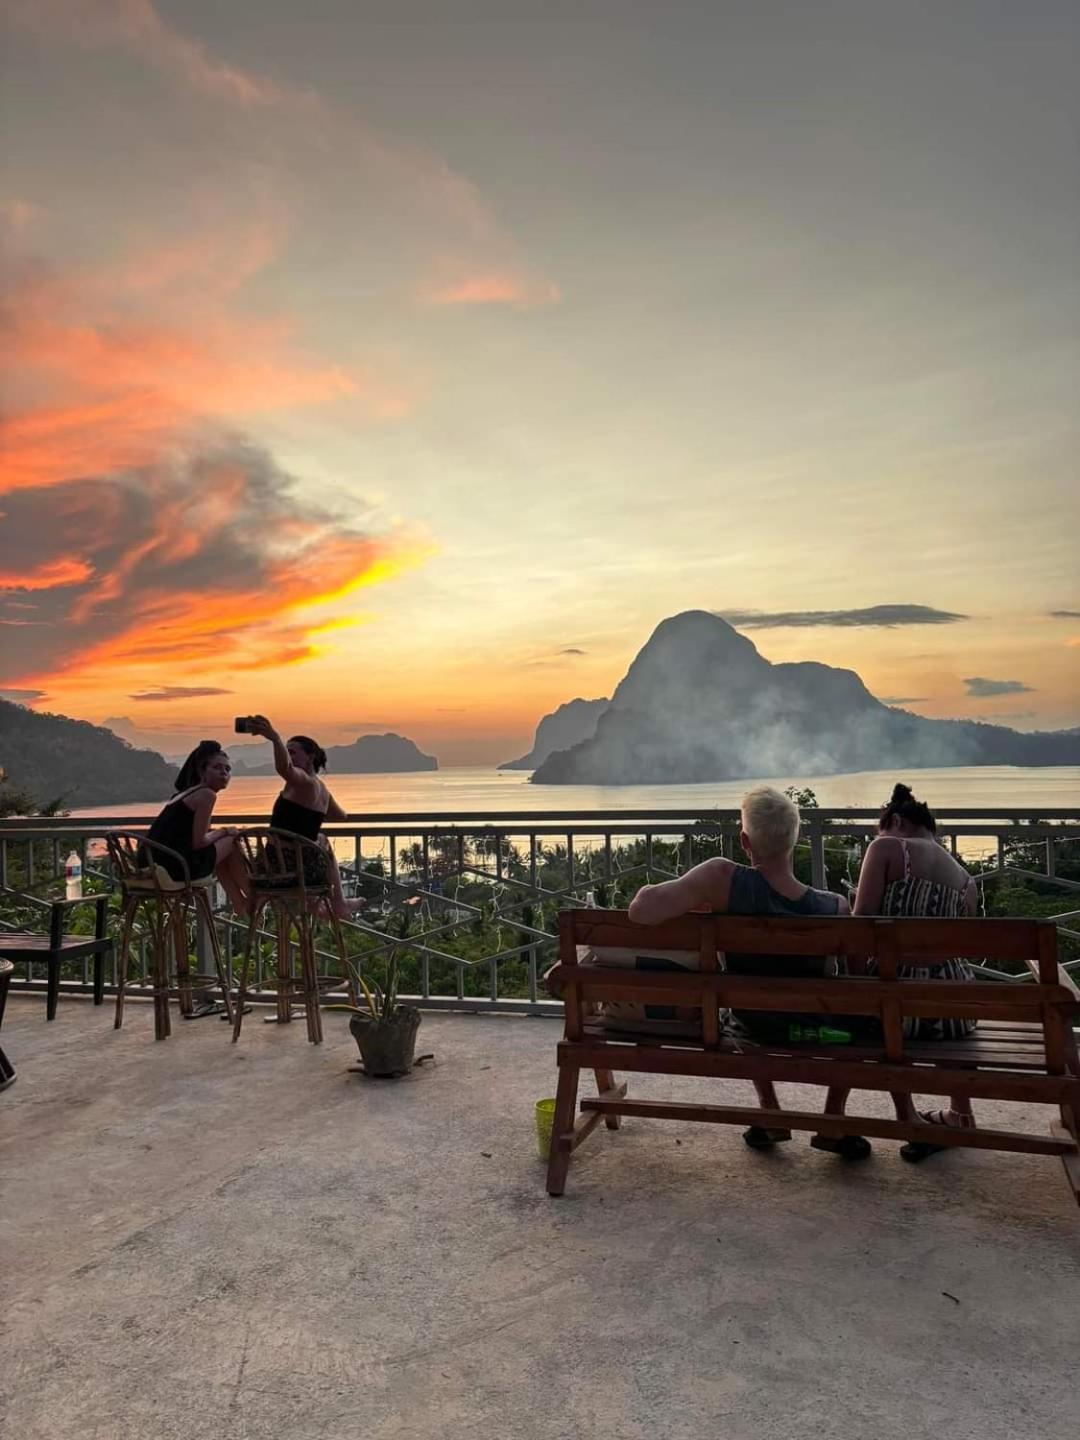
479, 261
16, 214
179, 692
49, 575
573, 650
982, 689
904, 699
22, 697
1065, 614
883, 616
136, 26
493, 289
140, 526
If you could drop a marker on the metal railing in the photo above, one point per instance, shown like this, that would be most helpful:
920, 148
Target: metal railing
469, 900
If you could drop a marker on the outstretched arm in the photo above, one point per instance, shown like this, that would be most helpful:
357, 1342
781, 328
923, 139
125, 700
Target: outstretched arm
705, 887
260, 725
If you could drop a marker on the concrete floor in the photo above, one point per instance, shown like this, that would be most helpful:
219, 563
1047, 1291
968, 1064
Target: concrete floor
202, 1240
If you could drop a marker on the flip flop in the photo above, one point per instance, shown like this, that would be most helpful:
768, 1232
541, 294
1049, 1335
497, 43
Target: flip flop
848, 1147
202, 1009
758, 1138
915, 1151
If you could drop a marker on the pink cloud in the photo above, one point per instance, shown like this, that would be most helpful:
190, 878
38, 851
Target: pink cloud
494, 288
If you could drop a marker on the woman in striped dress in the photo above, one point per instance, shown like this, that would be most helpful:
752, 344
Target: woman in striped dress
907, 872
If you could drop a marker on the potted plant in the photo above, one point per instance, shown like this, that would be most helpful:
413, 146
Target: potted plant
384, 1029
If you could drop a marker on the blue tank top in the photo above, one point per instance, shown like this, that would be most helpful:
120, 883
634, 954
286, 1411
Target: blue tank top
751, 894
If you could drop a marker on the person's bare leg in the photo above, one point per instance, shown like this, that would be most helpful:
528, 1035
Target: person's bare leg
344, 909
761, 1137
848, 1147
232, 872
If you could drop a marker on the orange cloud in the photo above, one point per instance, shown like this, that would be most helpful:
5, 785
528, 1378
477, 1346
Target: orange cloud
47, 576
138, 528
494, 288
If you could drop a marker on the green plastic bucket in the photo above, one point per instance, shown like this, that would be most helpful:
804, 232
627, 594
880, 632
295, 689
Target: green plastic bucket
545, 1120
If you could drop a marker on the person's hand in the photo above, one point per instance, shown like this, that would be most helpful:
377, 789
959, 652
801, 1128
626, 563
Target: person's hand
260, 725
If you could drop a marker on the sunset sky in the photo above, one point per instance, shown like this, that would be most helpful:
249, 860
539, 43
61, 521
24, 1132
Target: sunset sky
401, 366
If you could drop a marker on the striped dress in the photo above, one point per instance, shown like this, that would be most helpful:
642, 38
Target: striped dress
936, 900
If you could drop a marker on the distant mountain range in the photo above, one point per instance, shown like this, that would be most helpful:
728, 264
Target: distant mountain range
699, 703
53, 756
367, 755
569, 725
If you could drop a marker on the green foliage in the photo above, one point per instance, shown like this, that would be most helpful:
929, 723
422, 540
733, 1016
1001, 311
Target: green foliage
51, 755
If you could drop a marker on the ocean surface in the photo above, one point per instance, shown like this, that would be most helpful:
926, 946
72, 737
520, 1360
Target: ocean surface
1005, 788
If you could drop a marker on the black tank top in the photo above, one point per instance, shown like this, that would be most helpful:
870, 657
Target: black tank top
300, 819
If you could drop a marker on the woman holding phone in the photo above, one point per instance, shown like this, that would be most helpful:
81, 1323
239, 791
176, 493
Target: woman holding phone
303, 805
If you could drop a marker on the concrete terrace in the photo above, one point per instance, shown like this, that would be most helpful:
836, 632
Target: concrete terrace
202, 1240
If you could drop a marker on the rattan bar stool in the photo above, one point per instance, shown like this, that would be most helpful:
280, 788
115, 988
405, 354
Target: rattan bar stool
289, 878
165, 902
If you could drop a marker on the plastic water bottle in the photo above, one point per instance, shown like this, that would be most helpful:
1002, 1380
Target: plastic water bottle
590, 900
73, 876
819, 1035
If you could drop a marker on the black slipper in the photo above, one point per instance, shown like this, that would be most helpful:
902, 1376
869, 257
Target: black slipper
848, 1147
202, 1009
758, 1138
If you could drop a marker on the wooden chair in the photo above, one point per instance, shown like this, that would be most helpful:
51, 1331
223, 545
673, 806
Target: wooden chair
1024, 1049
289, 878
59, 946
146, 884
7, 1070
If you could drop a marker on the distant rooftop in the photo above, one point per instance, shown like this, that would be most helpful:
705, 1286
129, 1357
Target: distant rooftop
207, 1240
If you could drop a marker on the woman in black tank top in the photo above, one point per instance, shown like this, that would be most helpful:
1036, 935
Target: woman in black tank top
303, 805
183, 826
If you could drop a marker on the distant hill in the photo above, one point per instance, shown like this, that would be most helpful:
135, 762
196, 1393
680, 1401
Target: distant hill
699, 703
367, 755
52, 756
569, 725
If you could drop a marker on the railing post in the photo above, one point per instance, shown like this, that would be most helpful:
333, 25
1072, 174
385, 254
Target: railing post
818, 879
1051, 858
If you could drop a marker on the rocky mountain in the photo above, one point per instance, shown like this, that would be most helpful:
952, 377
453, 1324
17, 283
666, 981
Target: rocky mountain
367, 755
569, 725
699, 703
52, 756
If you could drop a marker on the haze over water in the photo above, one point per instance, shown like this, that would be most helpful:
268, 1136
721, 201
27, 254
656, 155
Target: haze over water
472, 789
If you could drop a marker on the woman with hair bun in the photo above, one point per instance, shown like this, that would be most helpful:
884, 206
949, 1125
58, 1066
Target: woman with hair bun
908, 872
303, 805
183, 825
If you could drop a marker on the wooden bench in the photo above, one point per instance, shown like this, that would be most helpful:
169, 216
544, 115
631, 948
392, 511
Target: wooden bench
1024, 1048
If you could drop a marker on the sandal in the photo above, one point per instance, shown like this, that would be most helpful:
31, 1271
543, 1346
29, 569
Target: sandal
915, 1151
758, 1138
848, 1147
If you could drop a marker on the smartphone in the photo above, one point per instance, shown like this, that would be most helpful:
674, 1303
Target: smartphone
243, 724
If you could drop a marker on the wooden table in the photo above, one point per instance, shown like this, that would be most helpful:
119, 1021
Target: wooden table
59, 945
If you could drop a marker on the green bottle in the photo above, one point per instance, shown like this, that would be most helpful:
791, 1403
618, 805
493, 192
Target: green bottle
818, 1035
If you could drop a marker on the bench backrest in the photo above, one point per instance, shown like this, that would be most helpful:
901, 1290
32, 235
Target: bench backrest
1052, 999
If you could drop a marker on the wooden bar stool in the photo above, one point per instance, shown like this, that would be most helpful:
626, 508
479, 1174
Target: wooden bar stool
165, 902
289, 877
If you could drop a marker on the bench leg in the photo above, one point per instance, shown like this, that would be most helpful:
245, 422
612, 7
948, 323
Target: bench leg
562, 1129
605, 1080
